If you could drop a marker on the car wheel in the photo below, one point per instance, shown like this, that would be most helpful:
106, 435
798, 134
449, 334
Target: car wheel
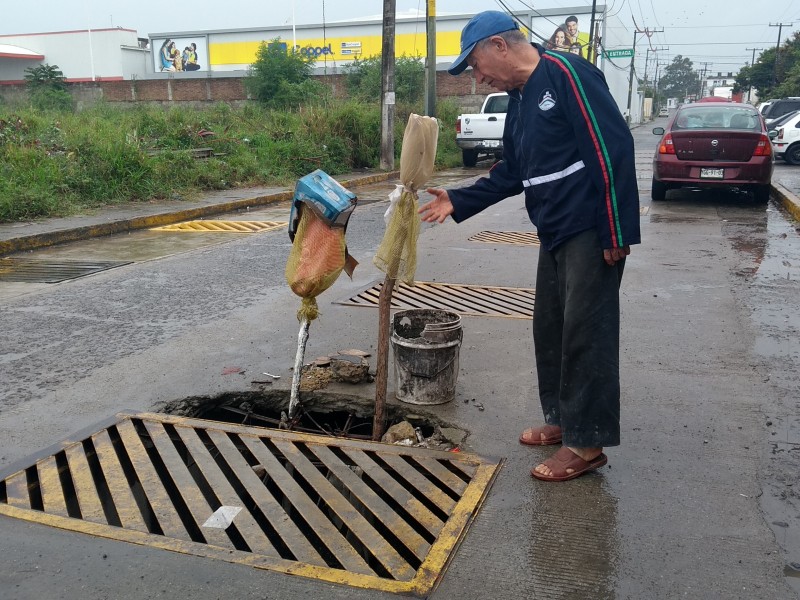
792, 154
761, 193
658, 191
470, 157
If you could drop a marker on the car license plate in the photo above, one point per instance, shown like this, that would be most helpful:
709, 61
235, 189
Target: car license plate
491, 143
712, 173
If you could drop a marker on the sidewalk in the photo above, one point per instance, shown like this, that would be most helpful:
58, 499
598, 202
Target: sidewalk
17, 237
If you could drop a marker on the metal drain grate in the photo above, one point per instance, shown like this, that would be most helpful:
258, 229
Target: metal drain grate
35, 270
475, 300
212, 226
518, 238
365, 514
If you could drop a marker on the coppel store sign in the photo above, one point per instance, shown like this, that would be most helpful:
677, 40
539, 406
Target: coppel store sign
311, 51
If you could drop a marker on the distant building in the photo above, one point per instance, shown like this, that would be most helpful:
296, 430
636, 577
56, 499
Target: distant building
83, 55
119, 54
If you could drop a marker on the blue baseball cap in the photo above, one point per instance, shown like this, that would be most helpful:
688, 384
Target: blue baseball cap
480, 27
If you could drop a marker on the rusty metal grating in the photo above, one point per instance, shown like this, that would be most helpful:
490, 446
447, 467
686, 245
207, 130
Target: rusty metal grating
517, 238
475, 300
37, 270
212, 226
364, 514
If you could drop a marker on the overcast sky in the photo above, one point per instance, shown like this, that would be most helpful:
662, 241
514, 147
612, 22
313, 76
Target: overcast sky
713, 31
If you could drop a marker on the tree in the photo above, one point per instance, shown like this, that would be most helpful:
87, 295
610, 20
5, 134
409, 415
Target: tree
47, 88
281, 79
45, 76
769, 79
679, 79
364, 78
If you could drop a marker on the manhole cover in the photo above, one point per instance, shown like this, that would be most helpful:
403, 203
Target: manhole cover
518, 238
365, 514
212, 226
35, 270
475, 300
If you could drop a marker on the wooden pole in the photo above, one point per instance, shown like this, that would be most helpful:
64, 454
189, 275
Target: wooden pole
382, 366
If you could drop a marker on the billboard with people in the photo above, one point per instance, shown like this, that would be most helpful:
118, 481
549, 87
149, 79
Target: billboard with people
568, 33
180, 55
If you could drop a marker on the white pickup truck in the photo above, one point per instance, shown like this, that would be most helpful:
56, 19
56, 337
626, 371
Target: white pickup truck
482, 133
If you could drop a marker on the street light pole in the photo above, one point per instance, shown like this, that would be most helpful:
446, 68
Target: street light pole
752, 62
430, 65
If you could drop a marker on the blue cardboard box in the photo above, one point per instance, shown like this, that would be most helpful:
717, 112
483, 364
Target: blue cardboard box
328, 198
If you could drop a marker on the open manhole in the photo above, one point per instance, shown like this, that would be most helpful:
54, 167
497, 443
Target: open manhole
475, 300
364, 514
37, 270
212, 226
517, 238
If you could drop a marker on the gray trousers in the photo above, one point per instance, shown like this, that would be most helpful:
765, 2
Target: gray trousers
576, 339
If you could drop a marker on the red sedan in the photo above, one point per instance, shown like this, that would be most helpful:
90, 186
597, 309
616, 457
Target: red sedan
713, 145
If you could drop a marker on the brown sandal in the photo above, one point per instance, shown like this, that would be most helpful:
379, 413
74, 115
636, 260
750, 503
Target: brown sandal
566, 459
533, 436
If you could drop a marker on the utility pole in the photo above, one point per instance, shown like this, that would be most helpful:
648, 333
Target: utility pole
752, 62
430, 70
702, 78
387, 86
646, 60
648, 33
778, 49
590, 49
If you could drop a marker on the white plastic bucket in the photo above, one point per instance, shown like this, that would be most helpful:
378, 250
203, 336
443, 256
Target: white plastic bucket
426, 345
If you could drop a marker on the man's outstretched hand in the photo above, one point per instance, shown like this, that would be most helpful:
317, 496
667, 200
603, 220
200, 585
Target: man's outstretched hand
437, 209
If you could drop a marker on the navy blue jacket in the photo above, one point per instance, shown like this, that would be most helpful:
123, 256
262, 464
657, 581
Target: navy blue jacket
568, 147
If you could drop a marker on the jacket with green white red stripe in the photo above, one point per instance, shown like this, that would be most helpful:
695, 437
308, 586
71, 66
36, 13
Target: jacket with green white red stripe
567, 146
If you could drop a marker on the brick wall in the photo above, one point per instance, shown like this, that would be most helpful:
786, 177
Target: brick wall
464, 89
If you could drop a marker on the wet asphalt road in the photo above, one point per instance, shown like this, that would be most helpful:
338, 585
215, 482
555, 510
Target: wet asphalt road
709, 474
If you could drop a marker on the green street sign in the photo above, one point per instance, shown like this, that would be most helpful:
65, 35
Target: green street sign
620, 53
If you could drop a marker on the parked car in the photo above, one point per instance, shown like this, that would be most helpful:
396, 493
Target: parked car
781, 120
482, 133
765, 105
713, 145
780, 107
663, 112
786, 140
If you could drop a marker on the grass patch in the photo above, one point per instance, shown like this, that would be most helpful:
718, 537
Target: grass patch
55, 163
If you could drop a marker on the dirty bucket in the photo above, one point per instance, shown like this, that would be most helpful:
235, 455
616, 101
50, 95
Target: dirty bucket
426, 344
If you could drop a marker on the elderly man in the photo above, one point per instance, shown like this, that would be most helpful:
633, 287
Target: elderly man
568, 148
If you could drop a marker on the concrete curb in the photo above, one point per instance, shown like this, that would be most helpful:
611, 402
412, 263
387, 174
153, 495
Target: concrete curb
789, 201
52, 238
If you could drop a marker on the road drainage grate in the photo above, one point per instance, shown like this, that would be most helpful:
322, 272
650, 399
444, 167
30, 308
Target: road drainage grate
212, 226
517, 238
364, 514
475, 300
36, 270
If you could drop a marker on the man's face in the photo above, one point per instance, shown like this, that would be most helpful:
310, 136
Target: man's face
488, 64
572, 28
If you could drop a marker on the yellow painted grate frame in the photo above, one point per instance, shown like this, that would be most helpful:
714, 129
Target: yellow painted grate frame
482, 472
218, 226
